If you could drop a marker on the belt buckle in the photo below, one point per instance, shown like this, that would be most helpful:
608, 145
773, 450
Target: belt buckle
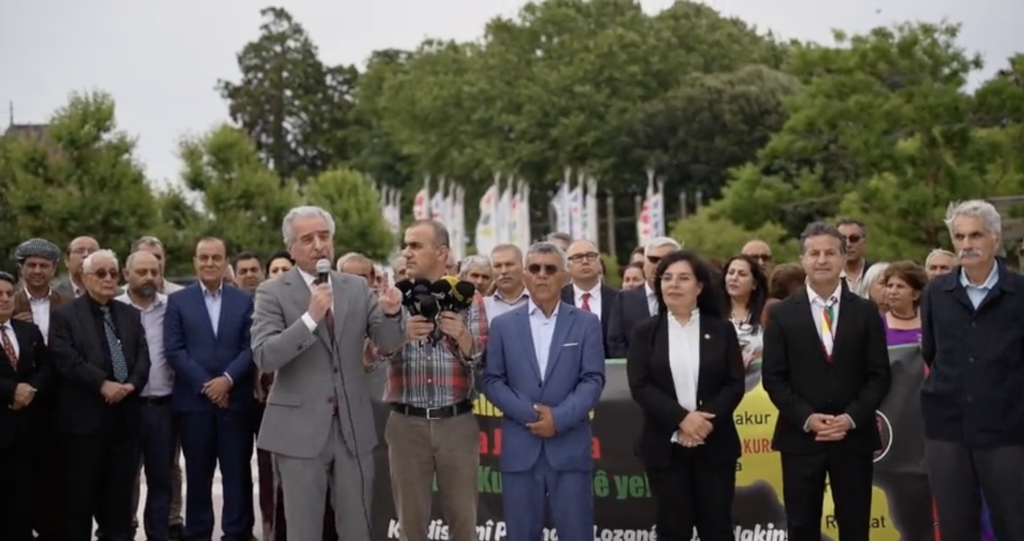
430, 414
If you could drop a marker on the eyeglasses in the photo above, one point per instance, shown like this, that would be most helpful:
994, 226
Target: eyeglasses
760, 257
589, 256
854, 239
537, 268
103, 274
654, 259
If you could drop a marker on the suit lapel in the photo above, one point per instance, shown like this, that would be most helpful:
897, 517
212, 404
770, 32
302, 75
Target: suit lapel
845, 322
342, 297
804, 321
301, 294
563, 325
526, 341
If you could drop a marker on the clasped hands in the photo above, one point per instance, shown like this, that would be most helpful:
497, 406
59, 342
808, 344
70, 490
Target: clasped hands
544, 426
450, 323
23, 396
829, 427
114, 392
695, 428
217, 389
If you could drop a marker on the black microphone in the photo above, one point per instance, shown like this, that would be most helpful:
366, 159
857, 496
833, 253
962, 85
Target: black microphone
323, 271
452, 294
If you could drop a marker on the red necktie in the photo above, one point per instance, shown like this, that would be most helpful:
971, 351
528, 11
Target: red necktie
8, 347
586, 302
329, 318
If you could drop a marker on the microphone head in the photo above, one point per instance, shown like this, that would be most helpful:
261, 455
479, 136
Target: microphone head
323, 266
464, 292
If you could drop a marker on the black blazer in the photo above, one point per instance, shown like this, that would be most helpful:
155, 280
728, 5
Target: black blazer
35, 369
801, 381
608, 296
973, 392
719, 389
629, 309
81, 359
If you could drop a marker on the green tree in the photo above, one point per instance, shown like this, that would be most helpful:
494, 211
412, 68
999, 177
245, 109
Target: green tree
80, 177
711, 237
881, 129
242, 200
178, 225
354, 203
295, 108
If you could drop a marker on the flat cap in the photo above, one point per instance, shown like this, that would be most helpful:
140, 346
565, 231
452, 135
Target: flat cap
40, 248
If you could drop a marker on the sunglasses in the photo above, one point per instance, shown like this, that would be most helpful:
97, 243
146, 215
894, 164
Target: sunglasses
103, 274
654, 259
761, 257
854, 239
536, 269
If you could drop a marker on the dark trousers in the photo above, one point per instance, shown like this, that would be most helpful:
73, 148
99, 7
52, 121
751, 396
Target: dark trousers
209, 439
960, 475
803, 488
100, 472
15, 483
48, 480
156, 449
693, 492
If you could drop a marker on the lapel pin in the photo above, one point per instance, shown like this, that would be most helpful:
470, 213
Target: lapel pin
707, 337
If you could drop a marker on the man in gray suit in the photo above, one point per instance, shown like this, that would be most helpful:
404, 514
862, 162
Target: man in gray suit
318, 422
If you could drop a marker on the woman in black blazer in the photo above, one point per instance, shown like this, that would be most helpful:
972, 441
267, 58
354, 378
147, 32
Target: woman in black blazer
685, 371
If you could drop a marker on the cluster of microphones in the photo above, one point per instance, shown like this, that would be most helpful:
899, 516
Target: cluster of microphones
423, 298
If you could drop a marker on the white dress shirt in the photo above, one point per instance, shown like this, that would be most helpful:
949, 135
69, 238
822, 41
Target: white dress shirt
161, 375
684, 361
593, 302
40, 307
652, 299
542, 328
818, 305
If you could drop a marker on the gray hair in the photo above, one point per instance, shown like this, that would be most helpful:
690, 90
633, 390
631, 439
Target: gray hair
819, 229
508, 247
90, 260
940, 251
547, 248
352, 257
146, 240
661, 242
306, 211
873, 274
475, 261
975, 208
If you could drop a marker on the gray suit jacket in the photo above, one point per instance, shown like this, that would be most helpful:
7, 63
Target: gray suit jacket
298, 418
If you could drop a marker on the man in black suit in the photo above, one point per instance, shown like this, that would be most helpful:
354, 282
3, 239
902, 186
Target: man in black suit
637, 304
826, 368
972, 339
100, 354
24, 369
587, 290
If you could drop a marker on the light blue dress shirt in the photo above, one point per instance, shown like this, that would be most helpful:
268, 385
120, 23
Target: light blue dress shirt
542, 328
978, 293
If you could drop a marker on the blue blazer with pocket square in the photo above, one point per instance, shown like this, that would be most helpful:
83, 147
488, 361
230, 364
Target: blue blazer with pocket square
572, 385
198, 355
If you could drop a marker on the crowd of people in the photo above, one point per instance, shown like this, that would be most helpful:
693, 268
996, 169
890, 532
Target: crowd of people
103, 381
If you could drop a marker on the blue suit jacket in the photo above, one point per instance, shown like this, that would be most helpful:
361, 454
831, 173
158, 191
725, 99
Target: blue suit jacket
571, 387
198, 355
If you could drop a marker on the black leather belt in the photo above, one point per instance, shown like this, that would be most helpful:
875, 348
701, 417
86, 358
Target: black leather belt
442, 412
156, 400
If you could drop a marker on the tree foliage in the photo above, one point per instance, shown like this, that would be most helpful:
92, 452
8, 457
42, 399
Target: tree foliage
77, 177
354, 203
295, 108
242, 200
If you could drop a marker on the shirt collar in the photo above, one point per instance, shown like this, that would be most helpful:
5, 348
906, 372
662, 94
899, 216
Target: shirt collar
524, 295
694, 319
816, 298
43, 298
990, 282
533, 309
648, 290
208, 292
160, 300
594, 291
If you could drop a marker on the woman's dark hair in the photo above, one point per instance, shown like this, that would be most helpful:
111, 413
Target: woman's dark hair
758, 297
786, 277
911, 273
708, 300
280, 254
631, 266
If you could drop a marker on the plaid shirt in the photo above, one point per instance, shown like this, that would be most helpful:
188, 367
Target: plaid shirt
426, 375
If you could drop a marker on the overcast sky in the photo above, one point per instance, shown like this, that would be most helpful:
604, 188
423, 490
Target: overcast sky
161, 59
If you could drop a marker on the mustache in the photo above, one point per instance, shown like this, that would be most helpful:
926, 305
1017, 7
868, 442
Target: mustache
969, 251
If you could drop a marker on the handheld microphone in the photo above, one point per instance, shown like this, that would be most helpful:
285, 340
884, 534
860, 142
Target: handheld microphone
418, 298
323, 271
453, 295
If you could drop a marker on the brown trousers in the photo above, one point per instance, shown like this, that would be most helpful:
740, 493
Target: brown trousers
419, 449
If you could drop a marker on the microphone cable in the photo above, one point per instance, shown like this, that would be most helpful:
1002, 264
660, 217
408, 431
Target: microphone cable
355, 443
